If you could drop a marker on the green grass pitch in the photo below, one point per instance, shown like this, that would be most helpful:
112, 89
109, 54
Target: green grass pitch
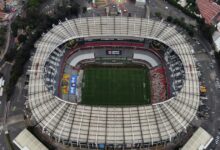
116, 86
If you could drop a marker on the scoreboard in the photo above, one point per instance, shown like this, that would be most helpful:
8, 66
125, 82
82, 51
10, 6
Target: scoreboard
113, 52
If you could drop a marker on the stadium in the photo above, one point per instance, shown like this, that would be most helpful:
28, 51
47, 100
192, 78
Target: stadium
113, 82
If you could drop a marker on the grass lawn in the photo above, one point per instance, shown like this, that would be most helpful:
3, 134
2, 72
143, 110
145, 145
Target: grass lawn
116, 86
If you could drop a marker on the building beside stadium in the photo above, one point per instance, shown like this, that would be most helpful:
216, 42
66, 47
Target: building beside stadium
209, 10
151, 55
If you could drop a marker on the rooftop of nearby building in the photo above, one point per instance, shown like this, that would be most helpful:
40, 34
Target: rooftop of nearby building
26, 141
199, 141
209, 10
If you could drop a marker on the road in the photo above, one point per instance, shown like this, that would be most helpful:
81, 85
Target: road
7, 41
212, 124
5, 69
12, 113
15, 124
168, 10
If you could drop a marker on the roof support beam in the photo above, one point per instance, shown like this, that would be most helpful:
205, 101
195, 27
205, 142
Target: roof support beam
168, 132
64, 123
90, 116
149, 125
155, 117
82, 115
140, 124
53, 116
71, 27
132, 130
174, 116
71, 127
97, 129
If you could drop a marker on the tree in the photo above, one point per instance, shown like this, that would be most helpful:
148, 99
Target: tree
84, 9
206, 30
176, 21
19, 23
169, 19
158, 14
74, 10
3, 30
129, 14
2, 35
2, 40
190, 1
182, 19
34, 24
22, 38
33, 4
9, 56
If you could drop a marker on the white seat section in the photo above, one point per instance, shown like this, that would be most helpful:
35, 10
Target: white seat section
81, 57
144, 56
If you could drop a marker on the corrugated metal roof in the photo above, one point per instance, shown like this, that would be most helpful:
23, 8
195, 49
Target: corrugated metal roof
208, 9
199, 141
26, 141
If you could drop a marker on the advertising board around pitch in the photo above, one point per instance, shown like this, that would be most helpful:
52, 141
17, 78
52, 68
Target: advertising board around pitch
73, 84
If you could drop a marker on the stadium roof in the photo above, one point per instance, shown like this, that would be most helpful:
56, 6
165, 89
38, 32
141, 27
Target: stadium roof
199, 141
209, 10
80, 124
141, 1
26, 141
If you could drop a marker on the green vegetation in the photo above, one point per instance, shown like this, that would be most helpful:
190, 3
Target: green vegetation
34, 24
2, 40
190, 10
22, 38
191, 6
116, 86
218, 2
184, 10
206, 30
3, 31
8, 141
158, 14
32, 4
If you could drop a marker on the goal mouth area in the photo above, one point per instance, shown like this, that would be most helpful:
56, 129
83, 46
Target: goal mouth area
120, 85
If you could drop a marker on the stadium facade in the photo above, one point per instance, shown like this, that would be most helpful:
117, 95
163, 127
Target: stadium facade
80, 125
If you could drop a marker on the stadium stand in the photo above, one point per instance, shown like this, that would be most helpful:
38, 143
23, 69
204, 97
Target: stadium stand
158, 85
81, 57
117, 127
145, 57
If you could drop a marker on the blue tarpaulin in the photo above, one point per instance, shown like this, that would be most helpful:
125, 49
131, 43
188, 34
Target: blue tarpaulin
101, 146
